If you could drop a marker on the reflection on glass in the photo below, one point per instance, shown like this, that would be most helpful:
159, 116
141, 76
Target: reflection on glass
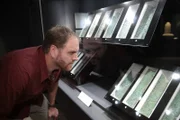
154, 93
87, 25
126, 81
139, 87
104, 22
80, 54
145, 19
113, 22
172, 110
94, 24
128, 20
80, 64
78, 32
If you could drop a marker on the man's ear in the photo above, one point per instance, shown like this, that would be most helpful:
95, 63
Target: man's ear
53, 51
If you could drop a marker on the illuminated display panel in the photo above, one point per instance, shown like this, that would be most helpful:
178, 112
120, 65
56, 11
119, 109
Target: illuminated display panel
172, 110
127, 22
145, 19
113, 22
127, 80
94, 24
103, 24
154, 93
87, 25
138, 89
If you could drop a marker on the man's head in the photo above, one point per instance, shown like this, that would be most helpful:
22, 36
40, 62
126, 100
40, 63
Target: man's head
61, 46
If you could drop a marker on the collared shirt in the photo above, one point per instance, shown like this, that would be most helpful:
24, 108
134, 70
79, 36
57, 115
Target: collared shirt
23, 78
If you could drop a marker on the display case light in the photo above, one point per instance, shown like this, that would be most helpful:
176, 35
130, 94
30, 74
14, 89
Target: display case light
116, 102
168, 112
175, 76
87, 22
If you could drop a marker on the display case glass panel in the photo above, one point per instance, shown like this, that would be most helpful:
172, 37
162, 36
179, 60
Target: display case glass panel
113, 23
172, 110
154, 93
80, 55
80, 20
145, 19
79, 64
127, 22
127, 80
138, 89
88, 22
94, 24
104, 23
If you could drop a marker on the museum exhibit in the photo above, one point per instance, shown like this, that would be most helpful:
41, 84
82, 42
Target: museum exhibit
128, 65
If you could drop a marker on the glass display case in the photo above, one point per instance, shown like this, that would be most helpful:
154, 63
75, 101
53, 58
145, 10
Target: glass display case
124, 84
142, 89
130, 23
154, 93
94, 24
88, 22
80, 55
172, 110
127, 21
139, 88
144, 20
113, 23
104, 23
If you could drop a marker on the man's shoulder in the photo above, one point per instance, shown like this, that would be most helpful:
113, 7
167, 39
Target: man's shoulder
26, 58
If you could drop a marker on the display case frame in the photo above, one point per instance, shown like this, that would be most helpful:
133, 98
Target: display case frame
163, 97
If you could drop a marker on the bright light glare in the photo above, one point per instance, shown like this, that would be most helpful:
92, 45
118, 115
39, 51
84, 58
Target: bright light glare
175, 76
108, 21
130, 16
168, 112
137, 113
116, 102
87, 22
127, 2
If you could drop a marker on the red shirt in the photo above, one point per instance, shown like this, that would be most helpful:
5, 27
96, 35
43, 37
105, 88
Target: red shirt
23, 78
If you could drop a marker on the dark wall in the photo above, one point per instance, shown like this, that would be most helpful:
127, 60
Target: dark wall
14, 24
20, 24
92, 5
59, 12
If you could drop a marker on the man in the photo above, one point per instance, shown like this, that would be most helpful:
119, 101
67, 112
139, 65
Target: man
27, 73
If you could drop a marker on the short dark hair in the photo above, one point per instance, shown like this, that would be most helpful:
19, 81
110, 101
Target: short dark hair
57, 36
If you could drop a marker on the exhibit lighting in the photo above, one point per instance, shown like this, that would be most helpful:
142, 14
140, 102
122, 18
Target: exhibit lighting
87, 22
175, 76
116, 102
137, 114
126, 3
168, 112
108, 21
130, 16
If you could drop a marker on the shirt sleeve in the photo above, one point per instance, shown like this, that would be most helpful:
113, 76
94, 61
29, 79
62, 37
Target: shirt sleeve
12, 84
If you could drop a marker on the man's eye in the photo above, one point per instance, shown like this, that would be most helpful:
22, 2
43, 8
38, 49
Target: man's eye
71, 53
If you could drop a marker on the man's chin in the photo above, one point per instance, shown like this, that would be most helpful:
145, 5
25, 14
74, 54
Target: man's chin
67, 69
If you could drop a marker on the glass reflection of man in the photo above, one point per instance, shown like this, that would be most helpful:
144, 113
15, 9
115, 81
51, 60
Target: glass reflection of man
94, 47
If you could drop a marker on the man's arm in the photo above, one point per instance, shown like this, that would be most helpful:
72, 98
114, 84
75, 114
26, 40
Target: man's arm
52, 93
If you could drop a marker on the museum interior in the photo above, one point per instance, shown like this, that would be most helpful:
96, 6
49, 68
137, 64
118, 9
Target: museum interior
129, 57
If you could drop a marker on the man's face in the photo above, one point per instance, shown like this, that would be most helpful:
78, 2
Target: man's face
68, 54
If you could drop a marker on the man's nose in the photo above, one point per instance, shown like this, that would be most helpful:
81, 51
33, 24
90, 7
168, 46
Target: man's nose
75, 57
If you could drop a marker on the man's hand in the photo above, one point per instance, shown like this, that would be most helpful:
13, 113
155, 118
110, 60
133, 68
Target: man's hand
53, 113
